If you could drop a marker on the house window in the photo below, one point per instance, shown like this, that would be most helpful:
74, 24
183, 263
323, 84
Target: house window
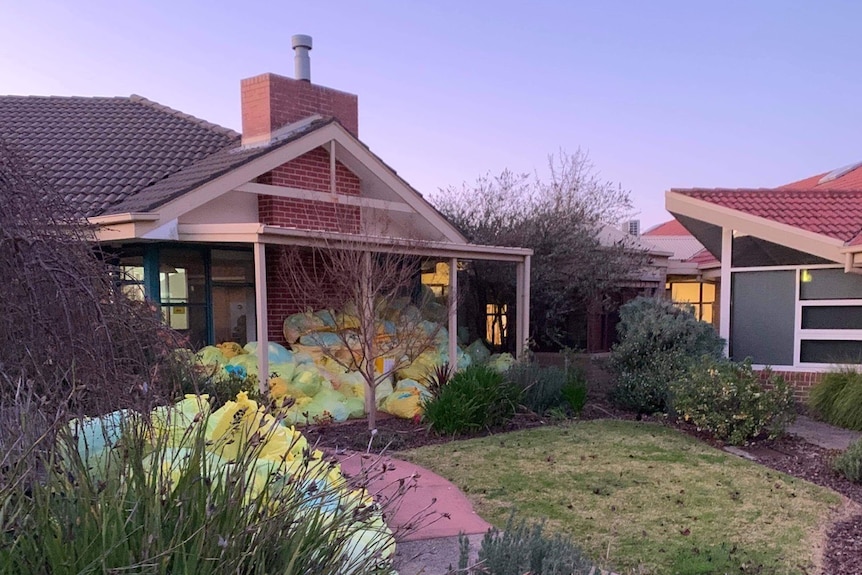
435, 275
183, 293
762, 316
697, 296
233, 297
496, 323
830, 317
131, 277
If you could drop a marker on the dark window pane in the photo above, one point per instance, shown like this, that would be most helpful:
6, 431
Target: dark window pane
233, 314
830, 351
232, 267
829, 284
762, 315
832, 317
189, 321
181, 276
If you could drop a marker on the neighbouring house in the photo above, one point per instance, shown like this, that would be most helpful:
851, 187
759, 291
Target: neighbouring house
790, 263
693, 274
196, 214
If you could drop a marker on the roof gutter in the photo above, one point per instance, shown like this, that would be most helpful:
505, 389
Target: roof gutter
126, 218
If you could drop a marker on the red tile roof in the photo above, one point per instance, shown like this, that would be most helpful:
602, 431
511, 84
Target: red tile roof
829, 203
703, 258
833, 213
671, 228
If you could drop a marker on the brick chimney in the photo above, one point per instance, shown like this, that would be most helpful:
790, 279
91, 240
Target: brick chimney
270, 101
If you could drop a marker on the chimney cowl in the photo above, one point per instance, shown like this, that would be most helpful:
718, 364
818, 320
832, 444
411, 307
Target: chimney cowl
301, 44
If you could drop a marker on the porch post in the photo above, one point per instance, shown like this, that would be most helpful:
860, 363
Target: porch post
262, 323
453, 313
724, 295
522, 298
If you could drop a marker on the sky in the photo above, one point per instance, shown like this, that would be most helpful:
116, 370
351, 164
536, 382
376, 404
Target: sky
660, 93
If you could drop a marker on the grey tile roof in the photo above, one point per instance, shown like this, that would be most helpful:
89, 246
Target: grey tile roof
205, 170
101, 153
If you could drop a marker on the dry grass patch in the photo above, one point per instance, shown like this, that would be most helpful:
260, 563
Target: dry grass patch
640, 497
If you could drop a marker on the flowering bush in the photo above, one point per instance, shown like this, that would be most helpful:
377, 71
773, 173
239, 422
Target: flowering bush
730, 401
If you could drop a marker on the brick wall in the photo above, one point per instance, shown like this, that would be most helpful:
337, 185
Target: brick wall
270, 101
800, 381
310, 172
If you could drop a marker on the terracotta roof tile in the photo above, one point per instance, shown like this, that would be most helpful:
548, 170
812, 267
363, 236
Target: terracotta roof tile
703, 258
99, 152
836, 213
671, 228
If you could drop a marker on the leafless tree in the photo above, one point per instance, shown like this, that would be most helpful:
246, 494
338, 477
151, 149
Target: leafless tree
68, 334
376, 305
561, 219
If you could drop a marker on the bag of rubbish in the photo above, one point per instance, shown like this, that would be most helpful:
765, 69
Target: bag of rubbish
422, 366
350, 384
281, 388
410, 384
308, 380
246, 360
326, 317
299, 324
501, 362
355, 407
326, 339
211, 355
405, 403
283, 370
478, 352
277, 353
230, 349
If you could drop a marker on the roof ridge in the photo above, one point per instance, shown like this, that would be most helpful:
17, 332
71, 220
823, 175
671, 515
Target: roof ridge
781, 190
182, 115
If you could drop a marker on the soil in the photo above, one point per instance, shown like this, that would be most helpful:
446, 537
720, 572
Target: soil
791, 455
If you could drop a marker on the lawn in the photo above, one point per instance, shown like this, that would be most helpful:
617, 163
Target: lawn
641, 498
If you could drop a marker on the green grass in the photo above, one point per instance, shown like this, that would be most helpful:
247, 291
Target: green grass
641, 498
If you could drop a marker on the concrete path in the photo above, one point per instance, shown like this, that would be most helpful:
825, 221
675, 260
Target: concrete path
822, 434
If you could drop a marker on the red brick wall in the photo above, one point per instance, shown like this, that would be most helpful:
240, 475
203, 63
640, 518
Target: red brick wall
270, 101
309, 172
800, 381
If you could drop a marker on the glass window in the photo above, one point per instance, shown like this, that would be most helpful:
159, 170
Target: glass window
232, 266
234, 314
832, 317
496, 323
829, 284
830, 351
762, 316
685, 292
131, 278
182, 293
708, 293
435, 275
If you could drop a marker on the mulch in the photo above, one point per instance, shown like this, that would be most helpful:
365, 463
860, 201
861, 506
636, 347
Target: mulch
791, 455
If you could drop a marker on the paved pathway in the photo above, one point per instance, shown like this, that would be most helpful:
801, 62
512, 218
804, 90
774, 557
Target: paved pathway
822, 434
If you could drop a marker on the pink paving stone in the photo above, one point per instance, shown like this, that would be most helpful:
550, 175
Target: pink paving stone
452, 512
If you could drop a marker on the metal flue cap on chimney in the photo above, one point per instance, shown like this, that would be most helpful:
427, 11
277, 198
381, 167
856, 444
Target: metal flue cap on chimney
301, 62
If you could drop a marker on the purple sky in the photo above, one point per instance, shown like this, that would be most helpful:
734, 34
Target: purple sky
661, 93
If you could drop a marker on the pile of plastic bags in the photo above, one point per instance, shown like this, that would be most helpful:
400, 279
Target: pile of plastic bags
319, 378
283, 460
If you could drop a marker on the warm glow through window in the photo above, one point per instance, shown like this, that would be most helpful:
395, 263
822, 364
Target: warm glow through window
496, 323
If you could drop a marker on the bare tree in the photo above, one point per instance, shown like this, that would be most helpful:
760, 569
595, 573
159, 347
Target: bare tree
68, 333
377, 311
561, 220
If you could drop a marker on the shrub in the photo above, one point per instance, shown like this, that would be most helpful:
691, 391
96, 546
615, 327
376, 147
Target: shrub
729, 400
849, 463
474, 399
837, 399
545, 388
522, 548
658, 342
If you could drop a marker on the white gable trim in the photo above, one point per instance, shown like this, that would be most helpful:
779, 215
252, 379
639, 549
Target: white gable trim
241, 177
769, 230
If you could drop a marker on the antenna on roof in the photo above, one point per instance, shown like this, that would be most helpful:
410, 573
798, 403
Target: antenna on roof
837, 173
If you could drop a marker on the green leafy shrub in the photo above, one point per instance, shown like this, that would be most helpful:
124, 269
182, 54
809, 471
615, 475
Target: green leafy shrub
545, 388
729, 400
522, 548
837, 399
658, 342
474, 399
849, 463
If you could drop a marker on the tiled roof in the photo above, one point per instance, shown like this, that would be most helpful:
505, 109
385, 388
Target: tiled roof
703, 258
671, 228
100, 152
205, 170
836, 213
681, 246
847, 178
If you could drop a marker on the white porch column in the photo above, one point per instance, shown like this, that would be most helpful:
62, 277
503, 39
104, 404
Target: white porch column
724, 304
522, 297
453, 313
262, 320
